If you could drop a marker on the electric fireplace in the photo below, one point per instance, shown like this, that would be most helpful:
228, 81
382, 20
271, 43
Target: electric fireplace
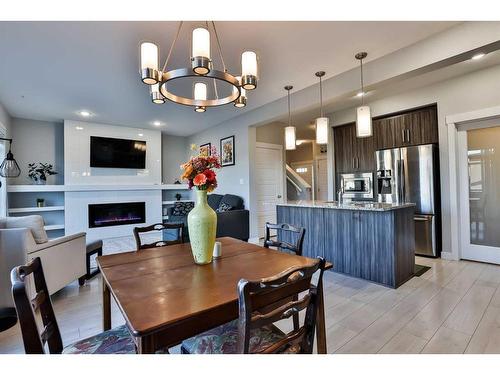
111, 214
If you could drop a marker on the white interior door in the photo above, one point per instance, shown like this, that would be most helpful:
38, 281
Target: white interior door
479, 160
322, 178
269, 172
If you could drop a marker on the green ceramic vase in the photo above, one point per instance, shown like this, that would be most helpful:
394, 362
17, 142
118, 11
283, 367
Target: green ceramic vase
202, 226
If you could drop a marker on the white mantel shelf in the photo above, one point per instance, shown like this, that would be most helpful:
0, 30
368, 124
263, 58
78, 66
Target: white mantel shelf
58, 188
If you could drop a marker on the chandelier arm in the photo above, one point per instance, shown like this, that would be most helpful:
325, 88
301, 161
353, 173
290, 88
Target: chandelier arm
172, 45
219, 47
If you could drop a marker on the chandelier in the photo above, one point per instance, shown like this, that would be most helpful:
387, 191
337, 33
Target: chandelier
202, 66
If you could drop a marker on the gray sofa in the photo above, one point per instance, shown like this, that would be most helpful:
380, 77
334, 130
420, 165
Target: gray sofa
233, 223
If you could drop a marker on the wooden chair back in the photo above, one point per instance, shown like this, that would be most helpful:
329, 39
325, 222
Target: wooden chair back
159, 227
287, 231
34, 341
254, 295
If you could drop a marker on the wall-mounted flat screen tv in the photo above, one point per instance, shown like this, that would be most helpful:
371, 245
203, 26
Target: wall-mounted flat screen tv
117, 153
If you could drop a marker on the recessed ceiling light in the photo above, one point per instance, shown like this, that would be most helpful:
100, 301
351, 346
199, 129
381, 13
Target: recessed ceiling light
156, 123
84, 113
78, 128
477, 56
360, 94
140, 134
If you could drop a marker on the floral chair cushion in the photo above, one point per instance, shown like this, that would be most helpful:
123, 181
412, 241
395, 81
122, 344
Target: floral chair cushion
223, 340
114, 341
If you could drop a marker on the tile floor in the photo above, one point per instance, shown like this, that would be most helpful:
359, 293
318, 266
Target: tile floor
452, 308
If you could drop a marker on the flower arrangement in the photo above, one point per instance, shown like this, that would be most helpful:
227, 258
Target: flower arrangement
199, 170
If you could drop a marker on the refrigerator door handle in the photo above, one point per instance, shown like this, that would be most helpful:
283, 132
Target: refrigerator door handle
422, 218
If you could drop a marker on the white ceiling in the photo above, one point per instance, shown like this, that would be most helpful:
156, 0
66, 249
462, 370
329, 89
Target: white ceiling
51, 70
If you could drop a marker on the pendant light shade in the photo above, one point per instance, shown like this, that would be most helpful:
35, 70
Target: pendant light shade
149, 63
249, 70
201, 51
363, 122
363, 113
322, 130
200, 93
242, 100
290, 136
156, 96
9, 167
321, 121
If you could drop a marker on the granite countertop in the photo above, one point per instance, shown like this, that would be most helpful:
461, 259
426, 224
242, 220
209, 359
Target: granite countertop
362, 206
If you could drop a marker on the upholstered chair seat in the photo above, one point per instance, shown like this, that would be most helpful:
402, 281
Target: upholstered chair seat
113, 341
224, 339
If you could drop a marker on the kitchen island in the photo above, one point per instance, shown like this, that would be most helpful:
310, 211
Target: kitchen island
372, 241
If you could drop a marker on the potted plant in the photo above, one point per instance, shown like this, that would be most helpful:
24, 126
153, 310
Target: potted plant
38, 172
202, 220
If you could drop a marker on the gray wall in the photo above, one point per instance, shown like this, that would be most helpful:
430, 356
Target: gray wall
175, 151
5, 119
469, 92
38, 141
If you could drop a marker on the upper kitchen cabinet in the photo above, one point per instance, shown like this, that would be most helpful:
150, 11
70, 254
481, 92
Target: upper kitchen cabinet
353, 154
407, 129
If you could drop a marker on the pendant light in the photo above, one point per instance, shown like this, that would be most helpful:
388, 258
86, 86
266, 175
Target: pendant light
290, 136
321, 121
363, 115
9, 167
200, 93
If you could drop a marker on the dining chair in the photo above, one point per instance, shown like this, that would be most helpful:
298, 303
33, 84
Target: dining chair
114, 341
256, 333
285, 231
159, 227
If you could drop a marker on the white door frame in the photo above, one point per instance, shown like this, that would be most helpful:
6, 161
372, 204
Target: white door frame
454, 123
274, 146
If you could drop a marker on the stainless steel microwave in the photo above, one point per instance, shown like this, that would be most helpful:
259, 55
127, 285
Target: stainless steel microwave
357, 185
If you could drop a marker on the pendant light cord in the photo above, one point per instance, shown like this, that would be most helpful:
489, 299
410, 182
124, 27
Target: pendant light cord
362, 84
172, 46
320, 97
289, 114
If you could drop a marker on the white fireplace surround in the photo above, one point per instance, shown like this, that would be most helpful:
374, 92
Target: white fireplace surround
85, 185
76, 211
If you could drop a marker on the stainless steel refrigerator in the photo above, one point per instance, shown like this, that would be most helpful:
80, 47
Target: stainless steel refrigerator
411, 174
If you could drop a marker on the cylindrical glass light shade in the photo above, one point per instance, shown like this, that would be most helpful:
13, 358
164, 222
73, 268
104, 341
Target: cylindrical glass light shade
242, 100
149, 63
200, 93
249, 70
322, 130
156, 96
290, 138
363, 122
201, 43
200, 61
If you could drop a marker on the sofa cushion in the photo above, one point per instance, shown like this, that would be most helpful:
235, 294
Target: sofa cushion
224, 207
214, 201
182, 208
32, 222
232, 200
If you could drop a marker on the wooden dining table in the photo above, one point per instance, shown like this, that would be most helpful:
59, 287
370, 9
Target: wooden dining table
166, 298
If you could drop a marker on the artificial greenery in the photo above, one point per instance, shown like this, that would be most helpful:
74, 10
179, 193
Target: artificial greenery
40, 171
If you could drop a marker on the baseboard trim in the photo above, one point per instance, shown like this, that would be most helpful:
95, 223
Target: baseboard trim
448, 256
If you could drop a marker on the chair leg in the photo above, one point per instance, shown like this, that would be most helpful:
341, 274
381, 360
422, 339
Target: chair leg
296, 323
81, 280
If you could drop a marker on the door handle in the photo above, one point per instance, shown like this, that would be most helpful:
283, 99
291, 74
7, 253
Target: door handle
421, 219
353, 163
403, 134
408, 135
279, 196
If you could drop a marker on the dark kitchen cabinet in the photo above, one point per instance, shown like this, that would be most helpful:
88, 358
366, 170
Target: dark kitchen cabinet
353, 154
406, 129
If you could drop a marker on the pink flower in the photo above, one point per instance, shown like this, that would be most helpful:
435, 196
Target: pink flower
200, 179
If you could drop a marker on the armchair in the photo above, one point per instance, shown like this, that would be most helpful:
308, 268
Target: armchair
63, 258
